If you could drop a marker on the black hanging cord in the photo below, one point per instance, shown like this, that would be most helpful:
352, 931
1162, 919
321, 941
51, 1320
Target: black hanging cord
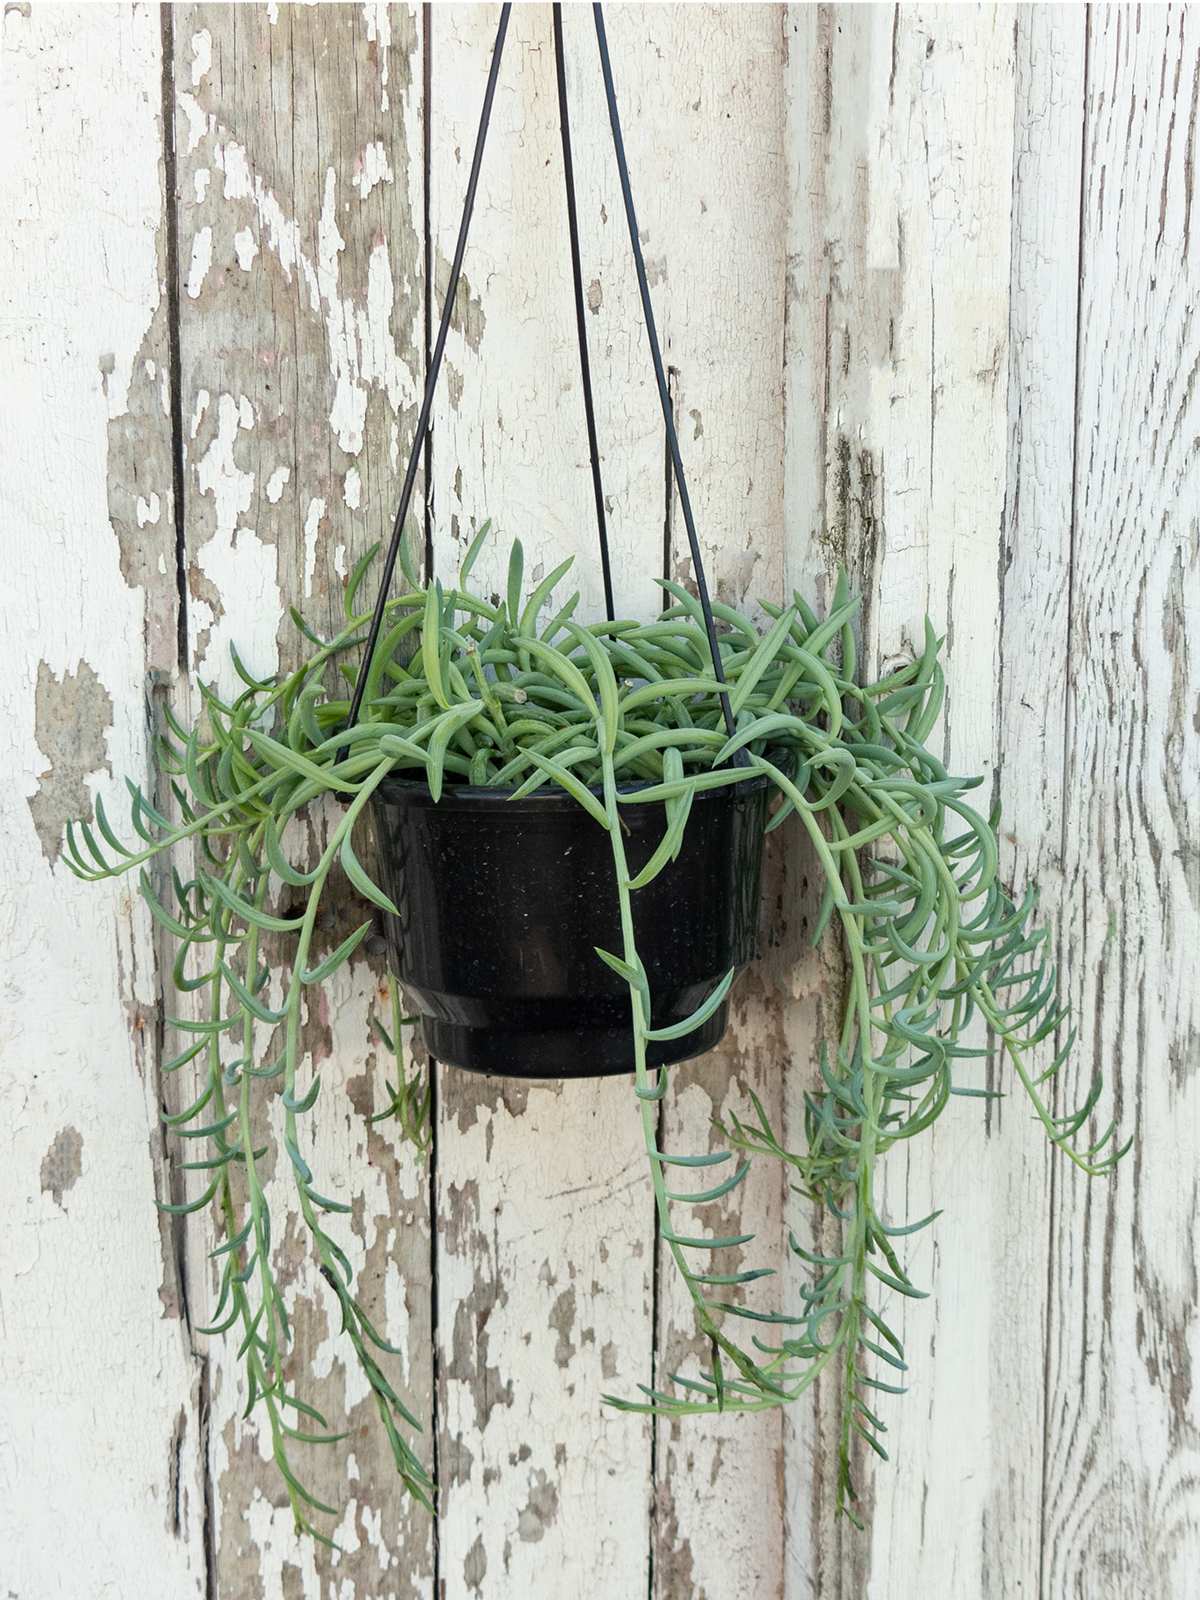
431, 379
651, 332
577, 274
663, 392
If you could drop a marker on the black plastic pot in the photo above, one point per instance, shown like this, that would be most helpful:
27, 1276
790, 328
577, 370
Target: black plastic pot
502, 903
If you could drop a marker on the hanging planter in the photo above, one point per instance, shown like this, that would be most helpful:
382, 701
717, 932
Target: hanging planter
504, 899
569, 823
501, 905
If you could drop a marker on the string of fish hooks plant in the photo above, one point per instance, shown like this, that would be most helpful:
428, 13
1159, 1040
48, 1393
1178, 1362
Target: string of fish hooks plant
463, 690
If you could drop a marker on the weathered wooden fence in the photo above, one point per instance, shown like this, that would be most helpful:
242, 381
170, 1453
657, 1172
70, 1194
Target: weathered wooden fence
926, 285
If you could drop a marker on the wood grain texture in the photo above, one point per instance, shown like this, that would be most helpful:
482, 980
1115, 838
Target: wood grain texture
1031, 726
1121, 1465
545, 1260
926, 280
899, 276
509, 443
101, 1432
709, 159
299, 136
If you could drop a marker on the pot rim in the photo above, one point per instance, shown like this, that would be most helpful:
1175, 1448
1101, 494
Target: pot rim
462, 796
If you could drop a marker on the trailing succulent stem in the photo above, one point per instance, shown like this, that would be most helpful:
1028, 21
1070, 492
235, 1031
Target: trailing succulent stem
617, 714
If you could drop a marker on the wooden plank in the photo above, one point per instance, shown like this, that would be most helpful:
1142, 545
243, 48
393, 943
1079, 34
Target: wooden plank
545, 1212
97, 1358
708, 161
811, 1561
940, 235
300, 137
1121, 1459
899, 270
1031, 711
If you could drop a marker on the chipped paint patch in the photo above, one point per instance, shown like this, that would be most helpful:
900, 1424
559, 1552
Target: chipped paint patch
370, 168
201, 262
312, 526
245, 248
234, 560
540, 1510
71, 717
201, 56
379, 33
62, 1165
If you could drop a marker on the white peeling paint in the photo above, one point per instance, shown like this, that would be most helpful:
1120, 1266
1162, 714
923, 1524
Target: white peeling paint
380, 363
370, 168
95, 1369
352, 489
312, 524
238, 183
395, 1299
379, 29
201, 261
275, 484
201, 56
202, 399
362, 351
245, 247
197, 120
348, 414
236, 560
147, 510
216, 473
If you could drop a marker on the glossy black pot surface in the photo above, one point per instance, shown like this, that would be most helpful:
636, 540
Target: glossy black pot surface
502, 903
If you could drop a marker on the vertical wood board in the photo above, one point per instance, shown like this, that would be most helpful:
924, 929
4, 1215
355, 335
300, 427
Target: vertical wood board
299, 137
1031, 712
101, 1390
1122, 1433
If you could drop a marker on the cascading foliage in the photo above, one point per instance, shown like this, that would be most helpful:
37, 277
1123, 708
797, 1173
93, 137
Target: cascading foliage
463, 690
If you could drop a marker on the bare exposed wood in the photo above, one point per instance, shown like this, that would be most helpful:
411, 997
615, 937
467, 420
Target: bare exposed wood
1121, 1460
299, 137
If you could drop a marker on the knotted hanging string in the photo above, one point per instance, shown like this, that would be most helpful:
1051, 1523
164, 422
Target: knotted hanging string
740, 758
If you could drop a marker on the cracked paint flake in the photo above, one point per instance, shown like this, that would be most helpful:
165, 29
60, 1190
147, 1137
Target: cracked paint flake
245, 247
71, 717
62, 1165
370, 168
312, 527
201, 262
201, 56
233, 560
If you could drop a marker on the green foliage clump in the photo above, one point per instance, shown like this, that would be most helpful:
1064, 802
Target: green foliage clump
461, 690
